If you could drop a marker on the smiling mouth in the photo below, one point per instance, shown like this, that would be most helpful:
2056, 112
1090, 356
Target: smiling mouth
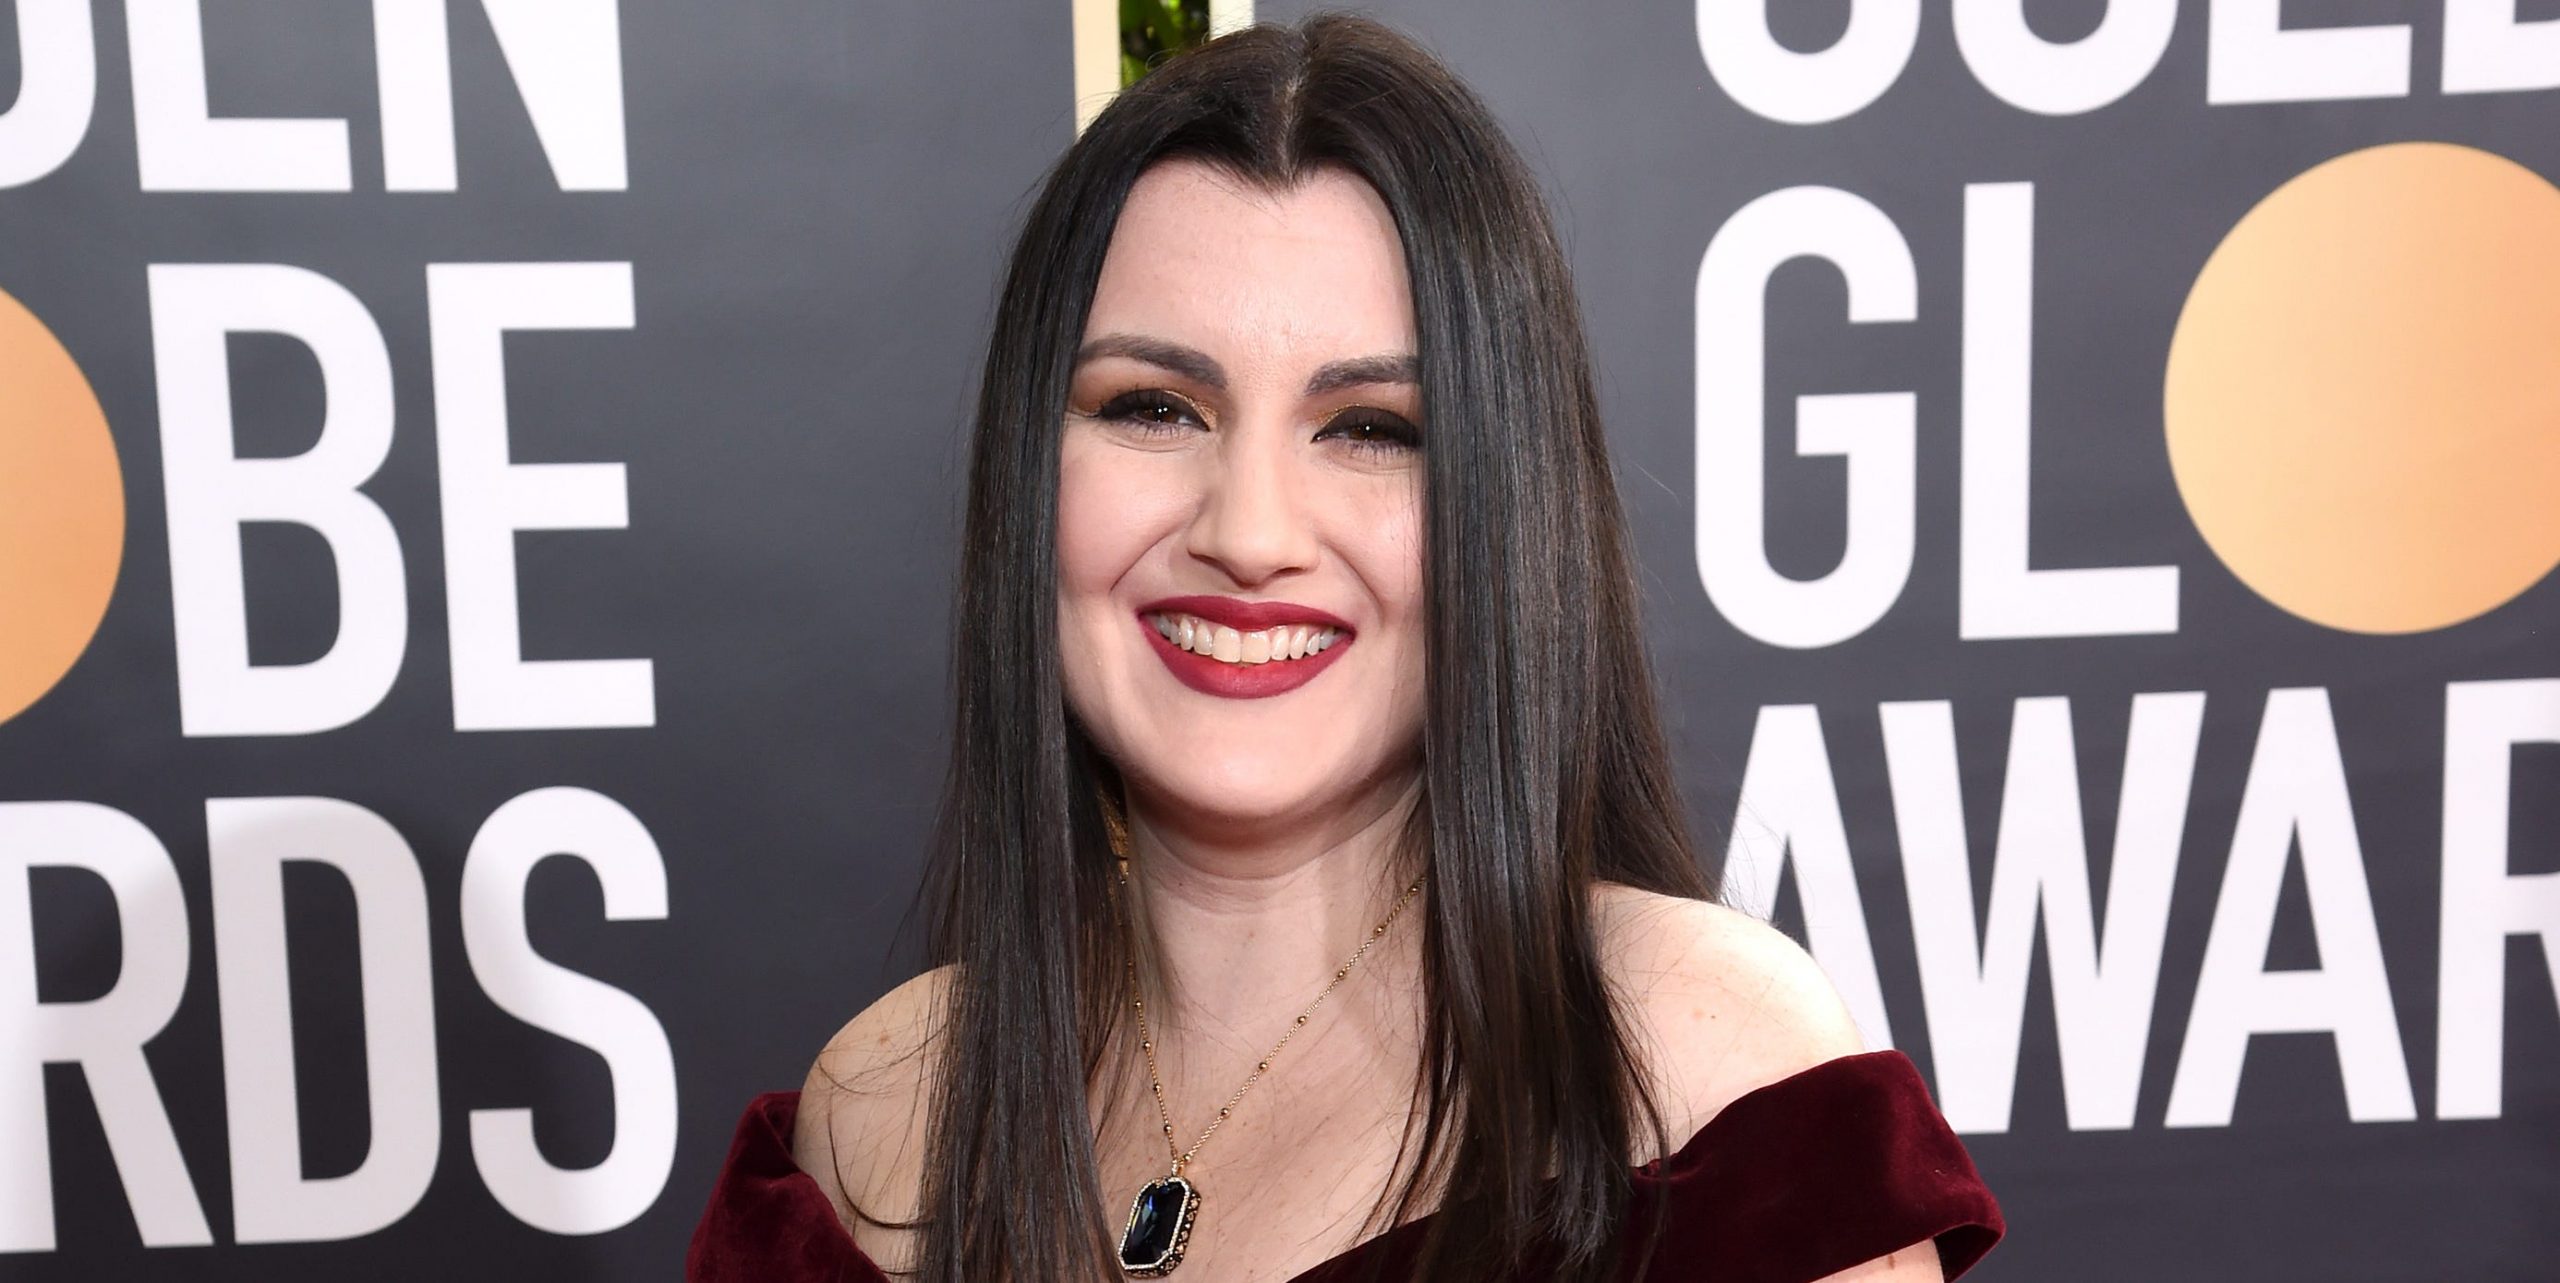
1285, 644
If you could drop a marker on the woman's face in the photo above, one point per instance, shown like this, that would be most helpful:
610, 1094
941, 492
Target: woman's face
1241, 469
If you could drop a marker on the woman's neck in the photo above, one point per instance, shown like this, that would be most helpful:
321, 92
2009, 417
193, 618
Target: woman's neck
1249, 922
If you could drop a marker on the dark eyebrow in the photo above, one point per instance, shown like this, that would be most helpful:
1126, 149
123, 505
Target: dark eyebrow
1360, 370
1191, 363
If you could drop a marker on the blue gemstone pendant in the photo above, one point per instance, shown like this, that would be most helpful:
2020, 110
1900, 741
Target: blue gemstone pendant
1159, 1227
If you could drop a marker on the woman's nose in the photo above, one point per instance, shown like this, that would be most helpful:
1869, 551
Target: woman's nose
1252, 522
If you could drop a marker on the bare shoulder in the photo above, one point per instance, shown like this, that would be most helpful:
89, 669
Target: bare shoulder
1720, 1001
865, 1110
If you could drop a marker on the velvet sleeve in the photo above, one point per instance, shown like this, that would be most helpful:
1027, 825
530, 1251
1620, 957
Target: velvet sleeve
1834, 1166
767, 1221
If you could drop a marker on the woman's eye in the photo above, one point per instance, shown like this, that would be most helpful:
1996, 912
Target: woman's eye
1373, 432
1148, 409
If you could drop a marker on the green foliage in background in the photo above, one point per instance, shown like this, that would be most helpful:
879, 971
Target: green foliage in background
1152, 30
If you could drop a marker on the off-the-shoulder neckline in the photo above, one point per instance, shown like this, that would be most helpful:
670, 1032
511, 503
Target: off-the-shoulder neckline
1684, 1156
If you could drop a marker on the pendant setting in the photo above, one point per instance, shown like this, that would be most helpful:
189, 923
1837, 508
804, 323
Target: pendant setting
1159, 1227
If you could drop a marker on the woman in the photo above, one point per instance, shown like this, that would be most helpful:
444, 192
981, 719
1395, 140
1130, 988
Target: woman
1302, 701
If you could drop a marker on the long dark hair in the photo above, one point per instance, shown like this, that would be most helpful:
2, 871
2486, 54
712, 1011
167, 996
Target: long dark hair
1542, 755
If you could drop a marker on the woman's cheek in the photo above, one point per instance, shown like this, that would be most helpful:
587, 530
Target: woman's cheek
1391, 554
1395, 575
1114, 503
1084, 526
1085, 576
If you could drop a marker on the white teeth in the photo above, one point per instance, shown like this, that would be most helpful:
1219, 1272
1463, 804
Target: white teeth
1227, 645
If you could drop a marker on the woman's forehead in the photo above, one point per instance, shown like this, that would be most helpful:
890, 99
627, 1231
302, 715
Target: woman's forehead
1294, 276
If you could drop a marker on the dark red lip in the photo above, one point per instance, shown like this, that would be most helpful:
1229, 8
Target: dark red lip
1244, 616
1241, 681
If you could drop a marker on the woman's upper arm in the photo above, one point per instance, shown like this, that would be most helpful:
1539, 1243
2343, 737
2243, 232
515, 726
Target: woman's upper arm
1917, 1263
863, 1120
1720, 1001
1724, 1003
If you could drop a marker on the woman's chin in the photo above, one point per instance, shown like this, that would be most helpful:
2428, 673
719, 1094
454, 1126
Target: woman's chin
1249, 793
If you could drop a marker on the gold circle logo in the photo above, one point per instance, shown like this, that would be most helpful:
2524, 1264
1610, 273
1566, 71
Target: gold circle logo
2363, 393
61, 510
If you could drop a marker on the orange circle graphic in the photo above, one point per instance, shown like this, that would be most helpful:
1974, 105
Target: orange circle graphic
61, 510
2363, 393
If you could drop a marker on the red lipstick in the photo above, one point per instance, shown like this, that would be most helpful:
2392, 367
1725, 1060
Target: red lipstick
1242, 681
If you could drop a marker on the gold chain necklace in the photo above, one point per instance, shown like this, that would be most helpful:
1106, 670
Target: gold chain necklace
1162, 1213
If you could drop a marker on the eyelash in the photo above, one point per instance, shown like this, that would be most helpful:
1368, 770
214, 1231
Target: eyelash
1393, 434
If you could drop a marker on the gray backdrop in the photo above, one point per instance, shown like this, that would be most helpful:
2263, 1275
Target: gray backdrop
815, 202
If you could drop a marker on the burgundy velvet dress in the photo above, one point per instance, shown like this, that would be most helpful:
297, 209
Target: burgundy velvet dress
1830, 1167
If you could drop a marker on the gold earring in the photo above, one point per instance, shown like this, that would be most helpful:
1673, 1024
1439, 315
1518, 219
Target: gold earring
1115, 826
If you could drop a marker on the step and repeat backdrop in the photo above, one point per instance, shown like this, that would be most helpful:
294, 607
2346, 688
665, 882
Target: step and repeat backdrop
479, 481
